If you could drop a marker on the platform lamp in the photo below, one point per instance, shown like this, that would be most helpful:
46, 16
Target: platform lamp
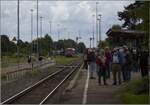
96, 23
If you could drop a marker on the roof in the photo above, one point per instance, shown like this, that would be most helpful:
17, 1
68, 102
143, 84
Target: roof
125, 33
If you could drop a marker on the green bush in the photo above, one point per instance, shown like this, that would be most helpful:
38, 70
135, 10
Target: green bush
137, 86
135, 91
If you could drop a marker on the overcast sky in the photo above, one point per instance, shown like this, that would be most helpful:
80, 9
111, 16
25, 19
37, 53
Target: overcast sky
74, 17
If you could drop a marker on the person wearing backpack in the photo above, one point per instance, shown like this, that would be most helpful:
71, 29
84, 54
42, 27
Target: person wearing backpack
116, 67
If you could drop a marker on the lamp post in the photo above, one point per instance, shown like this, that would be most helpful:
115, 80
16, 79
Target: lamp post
50, 27
18, 33
58, 31
50, 32
96, 25
79, 36
90, 41
99, 19
93, 30
41, 29
41, 34
31, 37
31, 31
37, 28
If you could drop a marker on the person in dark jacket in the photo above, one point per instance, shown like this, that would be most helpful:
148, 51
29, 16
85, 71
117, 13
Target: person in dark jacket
144, 57
128, 65
85, 66
91, 59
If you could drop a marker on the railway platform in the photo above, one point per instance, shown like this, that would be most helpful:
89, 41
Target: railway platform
88, 91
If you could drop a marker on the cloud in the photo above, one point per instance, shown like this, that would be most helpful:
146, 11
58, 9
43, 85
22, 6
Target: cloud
73, 16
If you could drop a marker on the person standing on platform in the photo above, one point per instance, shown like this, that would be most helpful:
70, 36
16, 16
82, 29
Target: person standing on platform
144, 60
135, 58
101, 62
116, 67
108, 62
128, 65
85, 66
91, 59
123, 66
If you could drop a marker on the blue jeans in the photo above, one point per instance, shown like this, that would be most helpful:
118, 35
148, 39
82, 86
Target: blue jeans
92, 68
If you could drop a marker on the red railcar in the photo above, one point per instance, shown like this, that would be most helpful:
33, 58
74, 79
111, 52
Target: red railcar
70, 52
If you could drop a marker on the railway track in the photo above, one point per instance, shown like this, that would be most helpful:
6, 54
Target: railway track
44, 89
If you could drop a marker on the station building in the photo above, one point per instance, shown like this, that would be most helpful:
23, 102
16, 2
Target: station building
120, 37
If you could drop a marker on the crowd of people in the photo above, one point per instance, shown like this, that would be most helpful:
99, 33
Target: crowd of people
119, 61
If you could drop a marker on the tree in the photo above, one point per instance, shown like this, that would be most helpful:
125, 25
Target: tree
7, 47
81, 47
69, 43
136, 17
116, 27
4, 43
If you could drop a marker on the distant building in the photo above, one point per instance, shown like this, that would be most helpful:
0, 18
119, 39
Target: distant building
131, 38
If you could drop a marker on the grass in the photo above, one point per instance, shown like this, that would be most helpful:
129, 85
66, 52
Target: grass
129, 98
65, 60
135, 91
10, 61
33, 72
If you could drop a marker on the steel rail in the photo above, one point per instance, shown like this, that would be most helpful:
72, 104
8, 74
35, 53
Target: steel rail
54, 90
28, 89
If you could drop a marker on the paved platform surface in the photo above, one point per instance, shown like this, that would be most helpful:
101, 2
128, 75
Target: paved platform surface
75, 96
104, 94
88, 91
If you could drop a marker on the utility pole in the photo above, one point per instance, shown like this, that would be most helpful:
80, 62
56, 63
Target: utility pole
41, 29
37, 28
31, 38
93, 30
18, 33
0, 20
50, 27
31, 30
40, 34
100, 29
96, 26
79, 35
99, 20
50, 32
58, 31
90, 41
